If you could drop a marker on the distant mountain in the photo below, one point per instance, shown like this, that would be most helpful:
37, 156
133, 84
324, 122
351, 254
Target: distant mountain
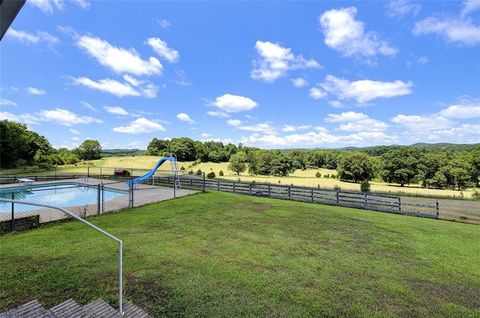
122, 152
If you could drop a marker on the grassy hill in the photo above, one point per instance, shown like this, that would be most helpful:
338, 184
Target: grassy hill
224, 255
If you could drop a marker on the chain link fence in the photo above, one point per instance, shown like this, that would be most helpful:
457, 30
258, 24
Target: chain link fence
83, 198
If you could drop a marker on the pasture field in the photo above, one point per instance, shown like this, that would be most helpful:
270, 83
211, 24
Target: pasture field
226, 255
298, 178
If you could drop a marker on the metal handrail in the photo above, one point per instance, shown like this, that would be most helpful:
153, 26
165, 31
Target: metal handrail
76, 217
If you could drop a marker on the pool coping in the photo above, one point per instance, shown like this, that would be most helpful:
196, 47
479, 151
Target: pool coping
143, 194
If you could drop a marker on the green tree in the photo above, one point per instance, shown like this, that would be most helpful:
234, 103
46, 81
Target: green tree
356, 167
238, 162
400, 165
18, 145
158, 147
183, 147
475, 161
90, 149
281, 165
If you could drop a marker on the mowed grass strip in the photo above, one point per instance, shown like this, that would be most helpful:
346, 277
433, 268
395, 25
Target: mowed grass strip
225, 255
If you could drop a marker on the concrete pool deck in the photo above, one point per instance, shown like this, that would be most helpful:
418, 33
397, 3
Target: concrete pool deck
142, 194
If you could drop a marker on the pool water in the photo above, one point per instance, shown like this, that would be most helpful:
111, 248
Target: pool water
57, 194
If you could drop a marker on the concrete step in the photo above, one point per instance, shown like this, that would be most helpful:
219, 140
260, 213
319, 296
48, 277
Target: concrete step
101, 309
32, 309
69, 309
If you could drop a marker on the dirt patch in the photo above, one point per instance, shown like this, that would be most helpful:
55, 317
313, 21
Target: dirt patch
151, 294
253, 206
467, 296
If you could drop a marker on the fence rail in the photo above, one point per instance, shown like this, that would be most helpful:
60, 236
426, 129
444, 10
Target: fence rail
370, 201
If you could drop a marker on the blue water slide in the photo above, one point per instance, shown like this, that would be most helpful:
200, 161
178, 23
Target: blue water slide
149, 174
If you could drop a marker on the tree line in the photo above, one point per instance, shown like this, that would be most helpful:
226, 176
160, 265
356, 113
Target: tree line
447, 166
20, 147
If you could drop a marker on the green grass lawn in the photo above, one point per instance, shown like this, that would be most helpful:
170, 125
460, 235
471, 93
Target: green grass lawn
224, 255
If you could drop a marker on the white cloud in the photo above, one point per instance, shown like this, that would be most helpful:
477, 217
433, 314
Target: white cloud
119, 60
185, 117
234, 122
38, 37
470, 6
47, 6
233, 103
164, 24
84, 4
117, 88
88, 106
368, 124
65, 117
7, 102
336, 104
320, 138
452, 29
461, 111
35, 91
218, 114
140, 126
299, 82
275, 61
356, 122
74, 131
161, 48
264, 127
364, 91
402, 8
316, 93
116, 110
9, 116
345, 117
292, 128
347, 35
132, 80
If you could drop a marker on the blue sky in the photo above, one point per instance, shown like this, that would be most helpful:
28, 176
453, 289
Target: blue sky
269, 74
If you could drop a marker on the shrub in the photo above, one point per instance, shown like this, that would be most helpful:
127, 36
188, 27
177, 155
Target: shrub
220, 173
365, 186
182, 168
336, 187
190, 172
476, 195
333, 176
318, 174
326, 176
211, 175
199, 172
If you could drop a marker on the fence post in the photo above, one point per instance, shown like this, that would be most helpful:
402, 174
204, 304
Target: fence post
437, 208
365, 204
269, 191
234, 187
88, 172
174, 188
101, 172
203, 181
12, 224
218, 185
103, 196
311, 194
130, 203
98, 199
289, 191
399, 204
250, 189
337, 198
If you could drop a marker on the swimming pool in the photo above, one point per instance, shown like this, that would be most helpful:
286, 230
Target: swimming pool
58, 194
